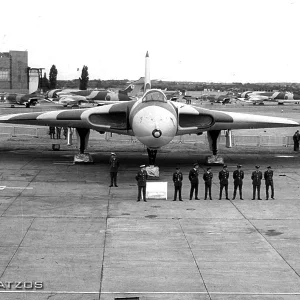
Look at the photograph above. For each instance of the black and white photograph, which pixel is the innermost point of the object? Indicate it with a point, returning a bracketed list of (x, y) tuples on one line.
[(149, 150)]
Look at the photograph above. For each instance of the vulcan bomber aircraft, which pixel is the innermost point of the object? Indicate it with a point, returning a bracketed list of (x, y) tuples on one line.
[(152, 119)]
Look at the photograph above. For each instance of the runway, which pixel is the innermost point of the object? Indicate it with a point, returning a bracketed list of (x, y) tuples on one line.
[(65, 229)]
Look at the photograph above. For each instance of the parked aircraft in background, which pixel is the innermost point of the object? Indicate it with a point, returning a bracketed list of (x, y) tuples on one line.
[(219, 98), (173, 95), (78, 97), (152, 119), (261, 97), (256, 97), (21, 99), (284, 97)]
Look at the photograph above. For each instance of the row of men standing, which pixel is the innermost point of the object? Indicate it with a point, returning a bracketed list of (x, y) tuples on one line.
[(238, 176), (57, 130)]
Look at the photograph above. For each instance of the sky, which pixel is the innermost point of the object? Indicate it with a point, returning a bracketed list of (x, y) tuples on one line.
[(187, 40)]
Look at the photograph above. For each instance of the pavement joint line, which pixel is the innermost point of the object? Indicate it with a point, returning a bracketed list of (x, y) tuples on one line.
[(207, 292), (22, 215), (15, 187), (265, 239), (291, 178), (104, 247), (27, 164), (18, 247), (9, 205), (20, 193)]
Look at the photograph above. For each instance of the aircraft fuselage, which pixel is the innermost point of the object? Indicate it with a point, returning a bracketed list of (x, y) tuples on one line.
[(153, 120)]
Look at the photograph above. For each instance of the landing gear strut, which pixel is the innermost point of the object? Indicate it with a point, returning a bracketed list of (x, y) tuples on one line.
[(213, 135), (152, 170), (151, 156), (214, 159), (82, 138)]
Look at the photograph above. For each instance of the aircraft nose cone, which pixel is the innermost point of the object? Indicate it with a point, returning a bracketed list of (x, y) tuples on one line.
[(154, 126), (156, 133)]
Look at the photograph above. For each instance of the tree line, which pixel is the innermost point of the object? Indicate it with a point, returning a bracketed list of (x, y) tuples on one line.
[(84, 83)]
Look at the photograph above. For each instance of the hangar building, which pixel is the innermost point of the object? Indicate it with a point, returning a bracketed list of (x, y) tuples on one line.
[(14, 72)]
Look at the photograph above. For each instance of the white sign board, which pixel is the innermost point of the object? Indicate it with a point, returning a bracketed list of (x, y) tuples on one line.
[(156, 190)]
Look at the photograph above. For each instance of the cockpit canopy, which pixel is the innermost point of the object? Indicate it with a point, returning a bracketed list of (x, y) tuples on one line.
[(154, 95)]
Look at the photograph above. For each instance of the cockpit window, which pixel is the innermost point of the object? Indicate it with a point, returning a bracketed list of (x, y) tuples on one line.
[(154, 96)]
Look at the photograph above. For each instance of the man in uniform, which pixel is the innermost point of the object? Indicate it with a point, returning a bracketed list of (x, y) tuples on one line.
[(58, 132), (296, 139), (193, 177), (238, 176), (256, 182), (114, 167), (223, 177), (141, 178), (177, 179), (207, 177), (268, 175)]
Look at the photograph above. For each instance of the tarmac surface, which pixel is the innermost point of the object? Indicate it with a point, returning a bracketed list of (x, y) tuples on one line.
[(64, 229)]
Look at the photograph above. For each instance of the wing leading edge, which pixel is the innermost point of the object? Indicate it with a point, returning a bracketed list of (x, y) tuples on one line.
[(111, 118), (194, 119), (115, 118)]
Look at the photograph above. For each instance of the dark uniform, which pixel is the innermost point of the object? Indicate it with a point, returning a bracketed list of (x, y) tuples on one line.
[(65, 131), (268, 175), (256, 182), (238, 176), (193, 177), (58, 132), (52, 132), (177, 179), (207, 177), (223, 177), (296, 139), (141, 178), (114, 167)]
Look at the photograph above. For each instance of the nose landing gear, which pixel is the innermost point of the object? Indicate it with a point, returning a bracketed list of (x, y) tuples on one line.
[(151, 156)]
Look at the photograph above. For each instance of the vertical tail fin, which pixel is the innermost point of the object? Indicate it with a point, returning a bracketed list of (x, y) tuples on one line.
[(147, 84), (127, 90), (143, 84)]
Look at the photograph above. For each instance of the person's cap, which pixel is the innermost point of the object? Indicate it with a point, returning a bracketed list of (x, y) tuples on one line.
[(257, 167), (225, 166), (113, 153), (142, 166), (239, 166), (208, 168), (196, 164), (269, 167)]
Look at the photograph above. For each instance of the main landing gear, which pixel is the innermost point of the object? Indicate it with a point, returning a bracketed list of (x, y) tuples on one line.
[(82, 138), (214, 159)]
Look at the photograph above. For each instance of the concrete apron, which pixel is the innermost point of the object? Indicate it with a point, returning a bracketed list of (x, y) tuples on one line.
[(63, 226)]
